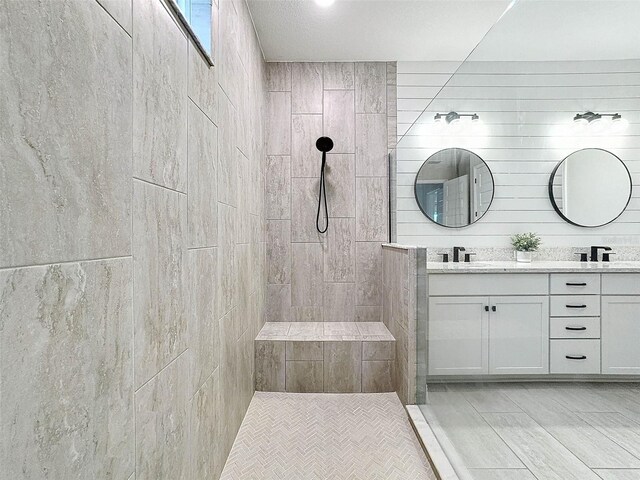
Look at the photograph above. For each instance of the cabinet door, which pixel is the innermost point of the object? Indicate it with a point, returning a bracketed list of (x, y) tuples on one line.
[(458, 335), (519, 335), (620, 327)]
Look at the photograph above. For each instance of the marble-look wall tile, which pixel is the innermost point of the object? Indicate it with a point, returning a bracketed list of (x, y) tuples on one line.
[(304, 351), (304, 376), (120, 10), (159, 254), (205, 423), (162, 424), (306, 314), (371, 87), (64, 195), (159, 96), (371, 145), (305, 157), (368, 313), (279, 77), (227, 152), (278, 303), (339, 119), (342, 367), (306, 275), (66, 372), (340, 178), (231, 69), (339, 250), (304, 195), (270, 365), (339, 302), (204, 337), (278, 188), (226, 258), (203, 83), (339, 76), (278, 251), (368, 273), (306, 87), (372, 209), (378, 351), (203, 193), (278, 123), (377, 376)]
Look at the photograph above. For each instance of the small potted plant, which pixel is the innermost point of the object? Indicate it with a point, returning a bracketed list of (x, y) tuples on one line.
[(525, 244)]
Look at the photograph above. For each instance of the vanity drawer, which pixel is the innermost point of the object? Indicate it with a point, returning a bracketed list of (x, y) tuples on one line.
[(475, 284), (621, 284), (575, 306), (574, 327), (575, 284), (574, 356)]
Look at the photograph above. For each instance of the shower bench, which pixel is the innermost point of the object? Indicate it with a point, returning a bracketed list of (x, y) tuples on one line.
[(330, 357)]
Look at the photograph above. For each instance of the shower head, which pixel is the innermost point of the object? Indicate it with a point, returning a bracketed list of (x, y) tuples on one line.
[(324, 144)]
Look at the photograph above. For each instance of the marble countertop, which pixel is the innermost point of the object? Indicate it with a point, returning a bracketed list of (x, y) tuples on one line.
[(533, 267)]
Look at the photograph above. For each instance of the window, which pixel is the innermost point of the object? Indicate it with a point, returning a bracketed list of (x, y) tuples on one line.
[(196, 17)]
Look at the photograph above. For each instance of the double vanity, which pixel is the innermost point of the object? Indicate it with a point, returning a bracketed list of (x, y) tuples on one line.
[(549, 318)]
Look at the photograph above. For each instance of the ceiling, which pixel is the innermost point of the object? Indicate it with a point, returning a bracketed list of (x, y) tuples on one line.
[(423, 30), (372, 30)]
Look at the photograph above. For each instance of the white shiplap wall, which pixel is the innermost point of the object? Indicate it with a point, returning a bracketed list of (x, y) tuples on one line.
[(527, 108)]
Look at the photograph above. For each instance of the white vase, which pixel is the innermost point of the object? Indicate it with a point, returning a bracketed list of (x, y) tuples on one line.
[(524, 257)]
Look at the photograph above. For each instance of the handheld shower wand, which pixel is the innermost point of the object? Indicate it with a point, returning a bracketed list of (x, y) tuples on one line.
[(324, 144)]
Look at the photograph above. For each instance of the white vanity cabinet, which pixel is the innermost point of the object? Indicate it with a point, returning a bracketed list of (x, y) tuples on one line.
[(621, 324), (481, 325), (558, 323)]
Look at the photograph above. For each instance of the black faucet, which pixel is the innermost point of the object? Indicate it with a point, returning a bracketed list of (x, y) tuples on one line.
[(456, 253), (594, 252)]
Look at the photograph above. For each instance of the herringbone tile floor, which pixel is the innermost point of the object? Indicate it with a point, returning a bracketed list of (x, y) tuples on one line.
[(305, 436)]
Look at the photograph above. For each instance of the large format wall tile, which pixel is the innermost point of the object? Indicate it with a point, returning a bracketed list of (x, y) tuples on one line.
[(278, 123), (203, 193), (66, 371), (306, 88), (306, 159), (278, 187), (372, 207), (339, 120), (120, 10), (226, 258), (306, 275), (162, 424), (340, 251), (159, 253), (342, 367), (227, 151), (340, 177), (371, 87), (279, 77), (338, 76), (368, 273), (204, 337), (304, 198), (371, 145), (278, 251), (203, 83), (339, 302), (278, 303), (65, 188), (205, 424), (159, 96)]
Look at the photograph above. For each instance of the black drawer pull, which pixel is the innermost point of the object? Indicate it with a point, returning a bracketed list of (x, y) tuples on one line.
[(576, 306), (576, 357), (575, 328), (486, 308), (570, 284), (494, 308)]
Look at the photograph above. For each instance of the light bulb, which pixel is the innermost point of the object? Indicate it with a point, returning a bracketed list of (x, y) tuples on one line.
[(325, 3), (597, 124), (580, 120), (619, 124)]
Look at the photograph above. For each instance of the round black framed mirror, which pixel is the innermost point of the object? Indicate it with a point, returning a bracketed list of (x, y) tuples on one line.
[(454, 188), (590, 187)]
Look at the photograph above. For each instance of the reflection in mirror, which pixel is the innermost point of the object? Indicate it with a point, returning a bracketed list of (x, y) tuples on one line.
[(590, 188), (454, 187)]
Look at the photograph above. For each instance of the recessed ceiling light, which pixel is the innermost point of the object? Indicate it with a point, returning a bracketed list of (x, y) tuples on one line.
[(325, 3)]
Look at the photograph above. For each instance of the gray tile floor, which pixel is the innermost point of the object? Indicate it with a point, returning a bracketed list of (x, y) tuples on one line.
[(520, 431), (303, 436)]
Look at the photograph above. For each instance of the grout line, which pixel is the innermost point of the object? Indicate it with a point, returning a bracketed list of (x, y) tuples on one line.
[(114, 18), (141, 180), (65, 262)]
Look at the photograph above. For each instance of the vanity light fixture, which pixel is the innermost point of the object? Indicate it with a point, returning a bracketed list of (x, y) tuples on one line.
[(455, 117), (598, 122)]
